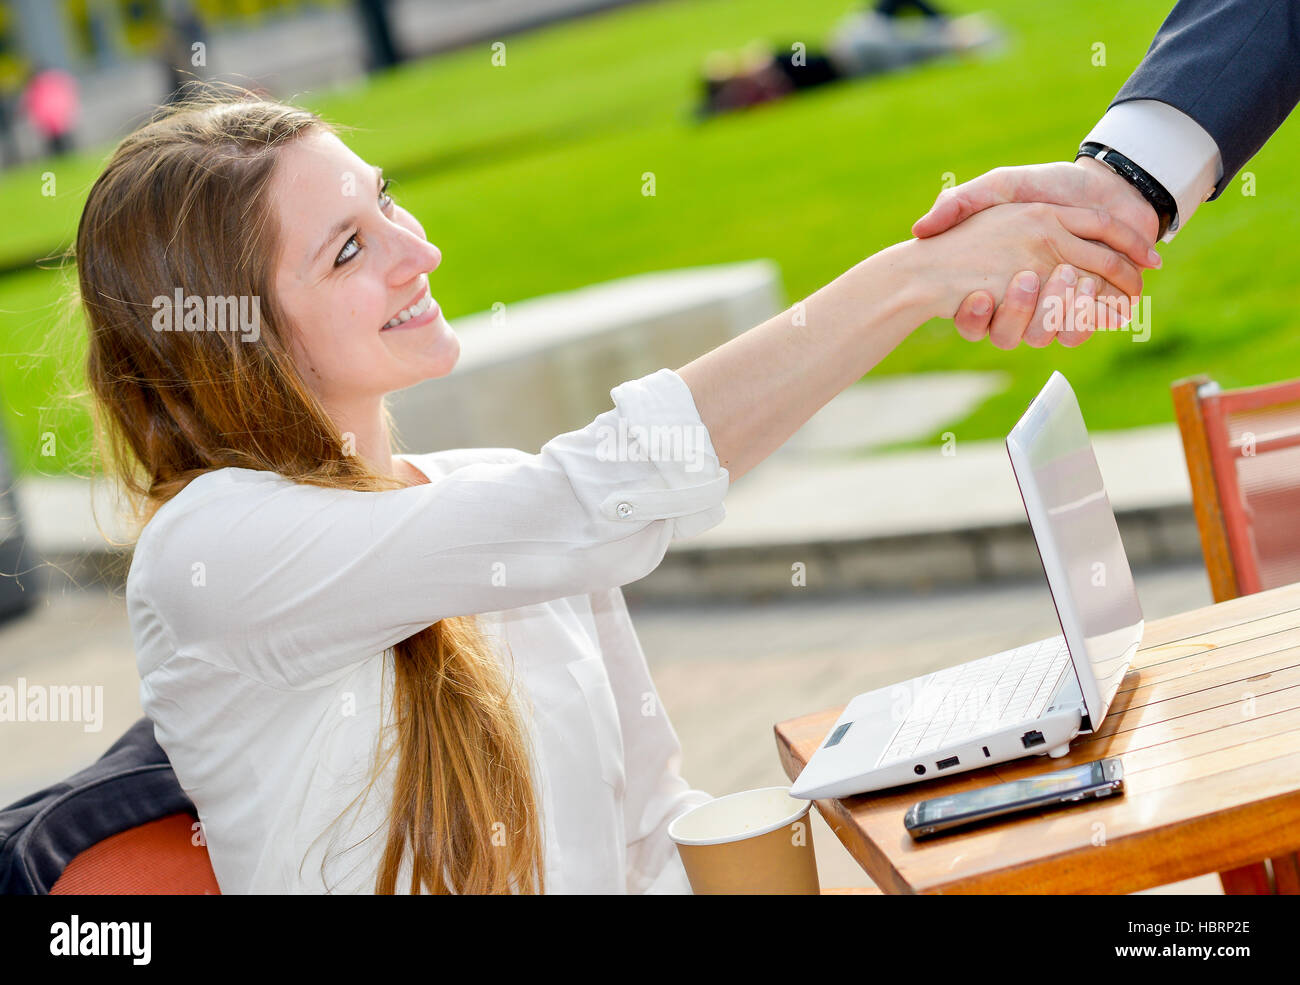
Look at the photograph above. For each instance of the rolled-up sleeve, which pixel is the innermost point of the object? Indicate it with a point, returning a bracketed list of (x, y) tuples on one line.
[(659, 423), (300, 581)]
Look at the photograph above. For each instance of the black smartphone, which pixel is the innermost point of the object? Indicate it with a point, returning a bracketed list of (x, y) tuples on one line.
[(1103, 778)]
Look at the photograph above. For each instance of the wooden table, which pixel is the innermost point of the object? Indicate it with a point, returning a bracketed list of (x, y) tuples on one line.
[(1207, 722)]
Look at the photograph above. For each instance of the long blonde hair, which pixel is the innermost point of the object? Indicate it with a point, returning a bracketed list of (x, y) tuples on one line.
[(183, 201)]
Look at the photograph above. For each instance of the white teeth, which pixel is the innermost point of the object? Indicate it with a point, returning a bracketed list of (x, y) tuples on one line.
[(406, 314)]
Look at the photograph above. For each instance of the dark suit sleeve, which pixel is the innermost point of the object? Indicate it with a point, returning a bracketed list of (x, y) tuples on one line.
[(1233, 66)]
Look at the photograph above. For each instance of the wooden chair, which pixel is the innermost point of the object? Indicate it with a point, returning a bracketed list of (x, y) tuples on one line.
[(1243, 458)]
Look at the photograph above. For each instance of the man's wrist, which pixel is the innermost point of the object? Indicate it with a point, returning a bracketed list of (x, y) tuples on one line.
[(1167, 144), (1144, 187)]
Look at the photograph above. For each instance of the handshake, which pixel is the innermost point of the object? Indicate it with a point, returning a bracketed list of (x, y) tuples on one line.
[(1069, 242)]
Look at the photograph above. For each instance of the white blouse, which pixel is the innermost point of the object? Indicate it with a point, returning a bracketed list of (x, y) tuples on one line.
[(264, 612)]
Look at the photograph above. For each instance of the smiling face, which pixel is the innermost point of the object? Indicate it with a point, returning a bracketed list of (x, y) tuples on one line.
[(352, 265)]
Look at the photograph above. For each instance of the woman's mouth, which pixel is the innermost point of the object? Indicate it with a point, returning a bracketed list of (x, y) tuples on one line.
[(420, 313)]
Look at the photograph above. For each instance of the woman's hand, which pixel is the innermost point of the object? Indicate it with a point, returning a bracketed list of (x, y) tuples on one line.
[(1059, 245)]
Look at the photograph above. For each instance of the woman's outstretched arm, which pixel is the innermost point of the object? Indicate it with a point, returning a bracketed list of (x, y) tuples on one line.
[(756, 390)]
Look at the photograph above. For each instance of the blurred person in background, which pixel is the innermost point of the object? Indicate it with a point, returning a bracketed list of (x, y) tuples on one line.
[(50, 104), (869, 41), (406, 673), (376, 23), (8, 146), (184, 31), (12, 75)]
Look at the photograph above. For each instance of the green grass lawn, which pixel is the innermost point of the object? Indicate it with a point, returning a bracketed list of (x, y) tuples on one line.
[(528, 177)]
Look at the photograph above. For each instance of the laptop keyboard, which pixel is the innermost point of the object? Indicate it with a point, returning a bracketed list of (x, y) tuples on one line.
[(980, 697)]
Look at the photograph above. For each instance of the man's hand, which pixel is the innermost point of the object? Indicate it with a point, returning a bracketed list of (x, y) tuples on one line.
[(1125, 221), (975, 318)]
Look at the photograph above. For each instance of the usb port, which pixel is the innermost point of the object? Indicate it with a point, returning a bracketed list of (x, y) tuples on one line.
[(1031, 739), (943, 764)]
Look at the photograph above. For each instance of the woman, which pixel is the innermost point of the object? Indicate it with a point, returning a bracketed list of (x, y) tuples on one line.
[(415, 673)]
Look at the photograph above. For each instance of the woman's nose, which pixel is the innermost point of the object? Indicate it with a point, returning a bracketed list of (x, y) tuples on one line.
[(415, 256)]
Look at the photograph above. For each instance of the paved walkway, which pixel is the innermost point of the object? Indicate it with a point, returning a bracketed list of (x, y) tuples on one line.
[(803, 495)]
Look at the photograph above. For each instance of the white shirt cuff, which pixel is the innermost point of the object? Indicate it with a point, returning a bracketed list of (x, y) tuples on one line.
[(1170, 146), (659, 422)]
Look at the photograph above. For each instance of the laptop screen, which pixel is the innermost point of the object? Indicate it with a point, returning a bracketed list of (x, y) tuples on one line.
[(1078, 541)]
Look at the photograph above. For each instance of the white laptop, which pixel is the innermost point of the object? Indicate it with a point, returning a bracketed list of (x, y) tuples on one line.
[(1029, 701)]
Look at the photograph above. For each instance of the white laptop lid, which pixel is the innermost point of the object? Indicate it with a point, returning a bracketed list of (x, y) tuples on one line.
[(1078, 542)]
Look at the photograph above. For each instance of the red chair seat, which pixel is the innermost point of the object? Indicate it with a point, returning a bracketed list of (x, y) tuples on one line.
[(159, 857)]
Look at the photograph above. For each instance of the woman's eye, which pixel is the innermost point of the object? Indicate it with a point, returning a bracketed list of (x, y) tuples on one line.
[(349, 250), (351, 247)]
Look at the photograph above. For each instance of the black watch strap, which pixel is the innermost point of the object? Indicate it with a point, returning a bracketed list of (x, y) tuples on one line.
[(1154, 192)]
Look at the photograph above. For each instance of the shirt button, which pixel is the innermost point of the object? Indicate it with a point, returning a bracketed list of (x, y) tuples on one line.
[(624, 510)]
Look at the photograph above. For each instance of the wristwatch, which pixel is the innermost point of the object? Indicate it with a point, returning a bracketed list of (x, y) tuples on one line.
[(1154, 192)]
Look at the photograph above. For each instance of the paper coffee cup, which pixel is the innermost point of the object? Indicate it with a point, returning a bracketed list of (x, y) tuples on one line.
[(757, 841)]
